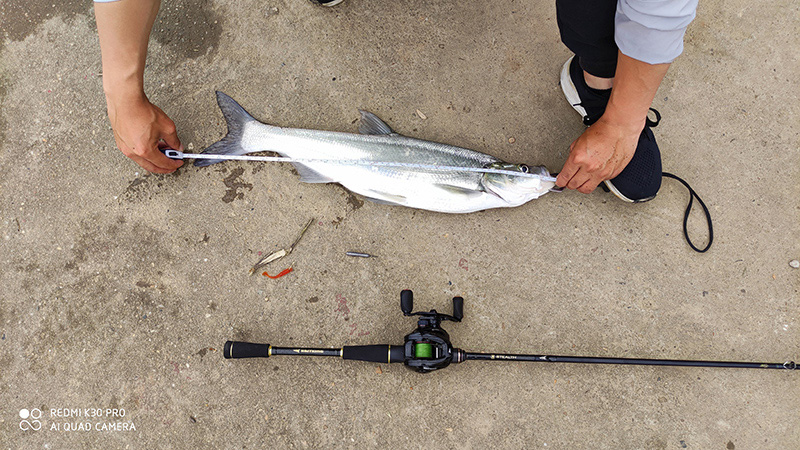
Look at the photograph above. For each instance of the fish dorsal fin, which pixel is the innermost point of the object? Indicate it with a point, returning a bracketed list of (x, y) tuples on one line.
[(371, 124)]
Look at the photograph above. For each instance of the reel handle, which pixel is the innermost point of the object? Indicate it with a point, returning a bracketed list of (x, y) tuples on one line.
[(238, 349)]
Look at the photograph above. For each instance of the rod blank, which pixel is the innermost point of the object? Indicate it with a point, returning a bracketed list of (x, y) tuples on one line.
[(789, 365)]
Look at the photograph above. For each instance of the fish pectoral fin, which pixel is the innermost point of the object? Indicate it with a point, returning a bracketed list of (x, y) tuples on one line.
[(460, 190), (379, 201), (371, 124), (384, 198), (309, 175)]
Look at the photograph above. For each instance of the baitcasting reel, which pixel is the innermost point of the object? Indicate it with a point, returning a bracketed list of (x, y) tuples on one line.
[(428, 348)]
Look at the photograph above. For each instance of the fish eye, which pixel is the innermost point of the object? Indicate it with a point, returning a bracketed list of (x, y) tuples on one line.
[(523, 168)]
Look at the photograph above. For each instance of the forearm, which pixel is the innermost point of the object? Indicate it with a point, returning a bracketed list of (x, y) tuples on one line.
[(635, 86), (124, 29), (140, 128)]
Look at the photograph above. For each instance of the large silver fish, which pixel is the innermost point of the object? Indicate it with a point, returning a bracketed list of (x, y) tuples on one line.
[(434, 190)]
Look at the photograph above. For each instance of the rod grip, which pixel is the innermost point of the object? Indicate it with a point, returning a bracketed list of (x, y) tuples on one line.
[(237, 349), (374, 353)]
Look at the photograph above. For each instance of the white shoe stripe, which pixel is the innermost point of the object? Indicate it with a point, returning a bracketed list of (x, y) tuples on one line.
[(570, 92)]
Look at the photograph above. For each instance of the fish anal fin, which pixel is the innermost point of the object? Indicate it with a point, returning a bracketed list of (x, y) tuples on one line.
[(378, 201), (309, 175), (384, 198)]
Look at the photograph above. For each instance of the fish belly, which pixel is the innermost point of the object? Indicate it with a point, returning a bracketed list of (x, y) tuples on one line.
[(420, 194)]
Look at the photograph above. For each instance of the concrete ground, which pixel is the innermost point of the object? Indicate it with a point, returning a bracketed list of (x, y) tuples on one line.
[(119, 287)]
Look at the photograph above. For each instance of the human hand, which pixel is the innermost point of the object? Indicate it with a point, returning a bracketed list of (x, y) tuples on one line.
[(599, 154), (141, 129)]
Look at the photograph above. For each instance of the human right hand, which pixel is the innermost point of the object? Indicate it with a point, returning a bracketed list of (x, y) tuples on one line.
[(606, 147), (599, 154), (141, 129)]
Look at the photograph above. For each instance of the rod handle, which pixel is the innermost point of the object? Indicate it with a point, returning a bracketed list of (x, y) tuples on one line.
[(374, 353), (237, 349)]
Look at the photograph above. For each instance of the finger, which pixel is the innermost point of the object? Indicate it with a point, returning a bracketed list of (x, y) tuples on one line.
[(171, 139), (143, 163), (564, 176), (155, 157), (148, 166), (151, 158), (589, 186), (567, 172), (577, 181)]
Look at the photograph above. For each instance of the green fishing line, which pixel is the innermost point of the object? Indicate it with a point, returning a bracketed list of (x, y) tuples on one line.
[(423, 350)]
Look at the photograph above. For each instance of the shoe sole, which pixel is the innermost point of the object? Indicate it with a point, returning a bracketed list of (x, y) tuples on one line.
[(570, 92), (619, 195)]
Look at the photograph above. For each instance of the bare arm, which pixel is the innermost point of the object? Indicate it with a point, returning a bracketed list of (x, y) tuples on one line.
[(606, 147), (139, 126)]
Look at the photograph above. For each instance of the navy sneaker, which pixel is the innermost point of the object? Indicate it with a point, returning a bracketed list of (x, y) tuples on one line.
[(590, 103), (641, 178), (326, 2)]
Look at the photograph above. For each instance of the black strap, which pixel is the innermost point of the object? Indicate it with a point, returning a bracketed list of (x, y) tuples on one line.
[(692, 196), (652, 123), (589, 121)]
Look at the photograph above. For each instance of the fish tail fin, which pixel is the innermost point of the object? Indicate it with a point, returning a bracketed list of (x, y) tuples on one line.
[(231, 144)]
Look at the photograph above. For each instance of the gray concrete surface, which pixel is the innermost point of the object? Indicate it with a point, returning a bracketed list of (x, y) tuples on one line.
[(119, 287)]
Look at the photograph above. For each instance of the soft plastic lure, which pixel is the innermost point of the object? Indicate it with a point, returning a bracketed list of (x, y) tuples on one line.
[(283, 272)]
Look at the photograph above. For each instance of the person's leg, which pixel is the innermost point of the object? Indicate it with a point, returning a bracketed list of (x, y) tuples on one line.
[(587, 28)]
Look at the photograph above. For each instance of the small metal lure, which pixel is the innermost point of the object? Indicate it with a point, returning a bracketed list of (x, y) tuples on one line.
[(360, 255)]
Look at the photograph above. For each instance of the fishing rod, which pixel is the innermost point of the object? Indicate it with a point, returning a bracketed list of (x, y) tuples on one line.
[(174, 154), (428, 348)]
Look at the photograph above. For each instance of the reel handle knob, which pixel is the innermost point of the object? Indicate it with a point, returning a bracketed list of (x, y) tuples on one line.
[(458, 308), (406, 301)]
